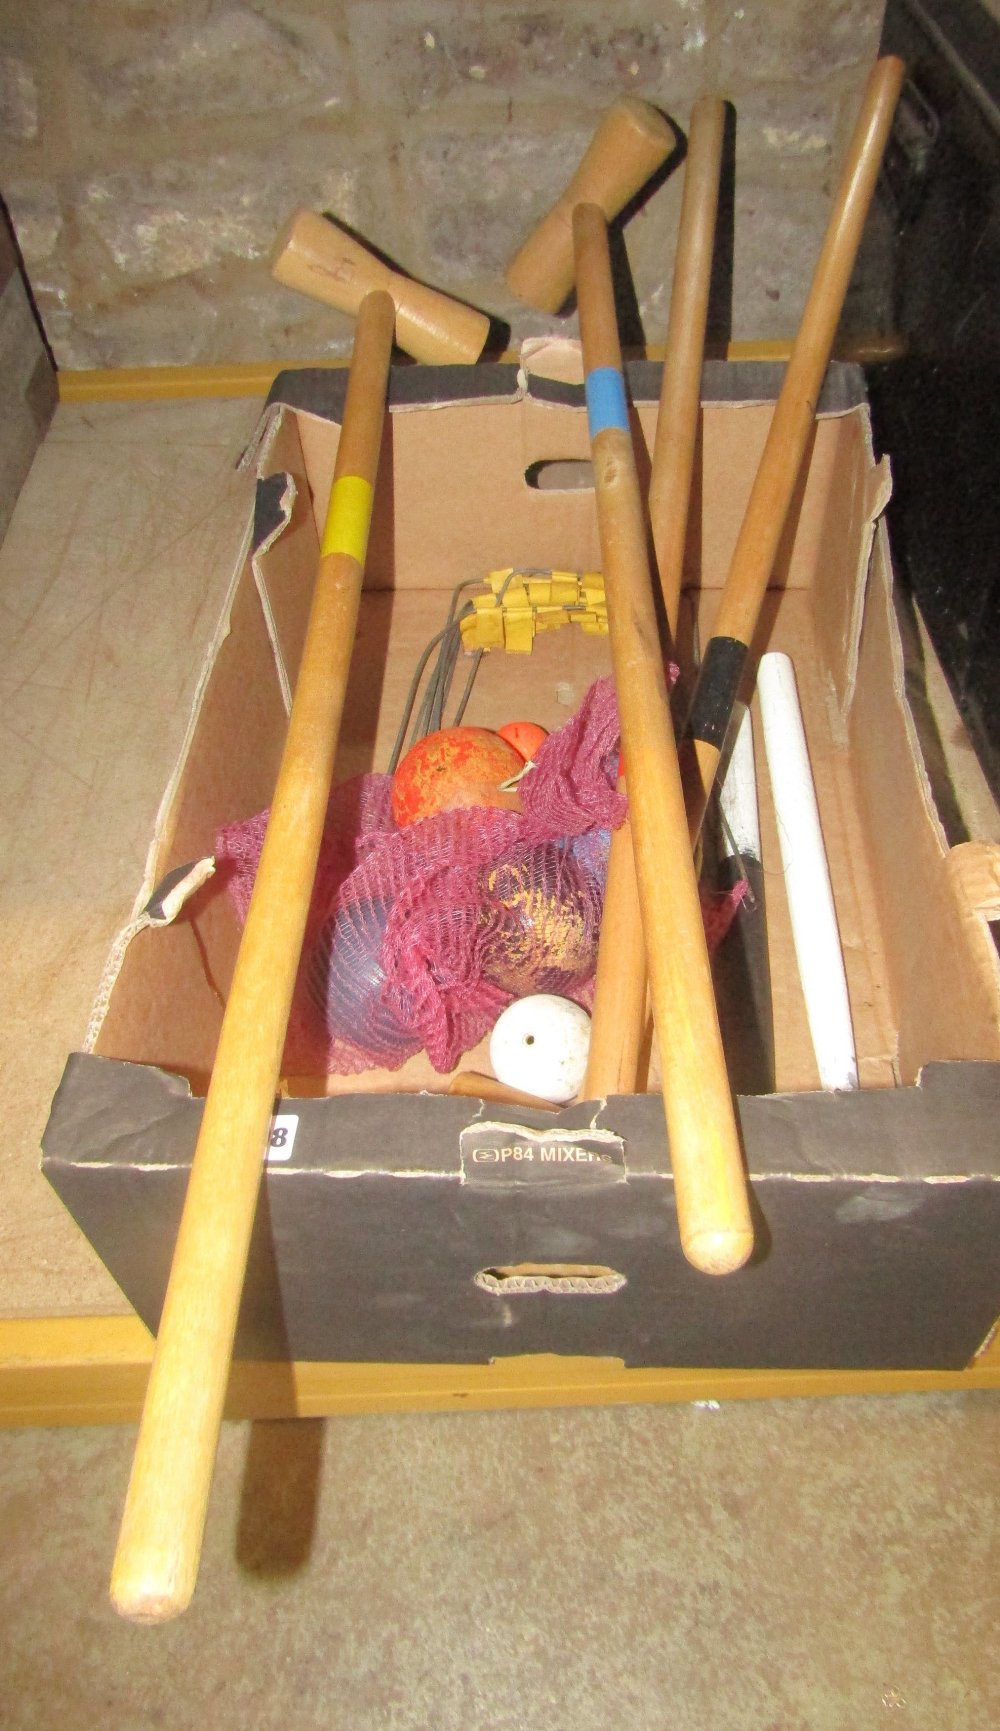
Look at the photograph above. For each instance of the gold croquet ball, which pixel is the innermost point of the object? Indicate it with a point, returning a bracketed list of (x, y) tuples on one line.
[(456, 766), (545, 932)]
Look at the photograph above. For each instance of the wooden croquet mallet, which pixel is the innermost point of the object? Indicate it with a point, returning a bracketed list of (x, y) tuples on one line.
[(710, 1187), (473, 1085), (631, 142), (319, 258), (619, 1013), (774, 484), (160, 1542)]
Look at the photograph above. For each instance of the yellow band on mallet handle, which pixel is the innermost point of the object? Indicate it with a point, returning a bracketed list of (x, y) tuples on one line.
[(159, 1547), (318, 258)]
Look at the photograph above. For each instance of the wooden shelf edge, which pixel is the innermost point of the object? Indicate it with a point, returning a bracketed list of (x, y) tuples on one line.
[(164, 384), (255, 378), (92, 1370)]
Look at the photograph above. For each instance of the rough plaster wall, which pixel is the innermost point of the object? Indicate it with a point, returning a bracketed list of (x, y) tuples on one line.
[(150, 149)]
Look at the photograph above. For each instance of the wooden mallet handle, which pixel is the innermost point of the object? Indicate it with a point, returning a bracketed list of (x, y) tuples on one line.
[(631, 142), (473, 1085), (317, 257), (710, 1186), (160, 1542), (619, 1013), (775, 481), (618, 1017), (676, 437)]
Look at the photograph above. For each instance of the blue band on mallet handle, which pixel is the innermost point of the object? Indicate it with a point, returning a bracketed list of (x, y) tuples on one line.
[(606, 405)]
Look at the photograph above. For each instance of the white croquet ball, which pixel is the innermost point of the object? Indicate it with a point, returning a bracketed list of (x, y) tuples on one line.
[(540, 1045)]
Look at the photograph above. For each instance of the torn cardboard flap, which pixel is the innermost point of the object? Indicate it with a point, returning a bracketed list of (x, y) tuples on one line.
[(551, 357), (174, 892), (286, 543)]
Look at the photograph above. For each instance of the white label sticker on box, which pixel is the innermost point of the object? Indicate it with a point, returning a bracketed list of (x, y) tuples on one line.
[(283, 1128)]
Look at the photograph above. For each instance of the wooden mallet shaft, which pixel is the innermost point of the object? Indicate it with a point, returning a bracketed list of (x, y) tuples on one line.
[(676, 437), (318, 258), (710, 1186), (473, 1085), (620, 984), (160, 1542), (774, 484), (618, 1016), (631, 142)]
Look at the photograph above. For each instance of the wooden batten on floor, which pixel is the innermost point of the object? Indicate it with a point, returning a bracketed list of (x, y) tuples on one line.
[(255, 378), (93, 1370)]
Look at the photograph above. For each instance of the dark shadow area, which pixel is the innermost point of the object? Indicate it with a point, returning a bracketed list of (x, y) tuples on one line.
[(356, 746), (645, 1057), (10, 238), (783, 556), (630, 325), (687, 654), (643, 469), (719, 323), (935, 411), (762, 1239), (931, 744), (763, 632), (669, 166), (741, 972), (692, 543), (279, 1497), (280, 1491), (261, 1333), (366, 677), (685, 649), (629, 319), (498, 339)]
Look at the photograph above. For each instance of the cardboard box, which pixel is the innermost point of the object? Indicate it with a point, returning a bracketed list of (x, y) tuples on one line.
[(392, 1228)]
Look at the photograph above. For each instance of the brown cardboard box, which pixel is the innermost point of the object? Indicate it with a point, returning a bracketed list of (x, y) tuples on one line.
[(384, 1235)]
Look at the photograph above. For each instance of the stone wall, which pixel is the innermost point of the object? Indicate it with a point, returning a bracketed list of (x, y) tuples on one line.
[(150, 150)]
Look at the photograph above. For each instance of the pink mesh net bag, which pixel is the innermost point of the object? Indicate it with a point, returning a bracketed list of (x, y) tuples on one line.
[(417, 938)]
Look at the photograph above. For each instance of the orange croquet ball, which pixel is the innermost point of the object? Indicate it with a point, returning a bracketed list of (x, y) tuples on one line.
[(524, 736), (454, 767)]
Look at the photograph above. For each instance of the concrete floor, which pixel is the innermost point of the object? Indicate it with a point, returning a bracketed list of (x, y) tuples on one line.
[(827, 1565)]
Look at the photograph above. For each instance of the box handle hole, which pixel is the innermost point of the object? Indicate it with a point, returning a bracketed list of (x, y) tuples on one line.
[(561, 475), (582, 1278)]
